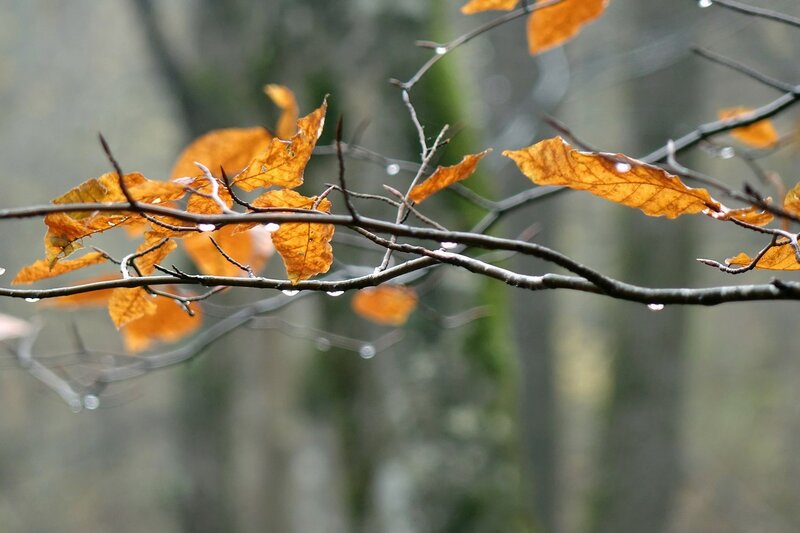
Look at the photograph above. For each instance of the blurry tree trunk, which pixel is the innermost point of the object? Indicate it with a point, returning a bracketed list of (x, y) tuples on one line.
[(640, 461)]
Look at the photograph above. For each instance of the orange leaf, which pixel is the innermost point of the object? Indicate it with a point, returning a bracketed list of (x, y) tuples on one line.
[(389, 305), (304, 247), (125, 304), (204, 204), (552, 26), (781, 257), (84, 299), (41, 269), (750, 215), (759, 134), (284, 162), (168, 322), (446, 176), (230, 148), (791, 202), (285, 100), (614, 177), (476, 6), (250, 248)]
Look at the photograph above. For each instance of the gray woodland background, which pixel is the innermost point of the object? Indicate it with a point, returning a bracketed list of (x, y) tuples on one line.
[(558, 413)]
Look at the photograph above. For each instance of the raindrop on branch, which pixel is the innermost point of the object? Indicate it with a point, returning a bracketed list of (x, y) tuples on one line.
[(704, 3), (272, 227), (622, 167), (91, 402), (440, 50), (367, 351), (655, 307), (335, 293), (393, 169), (32, 300), (448, 245), (727, 152), (289, 292), (206, 227)]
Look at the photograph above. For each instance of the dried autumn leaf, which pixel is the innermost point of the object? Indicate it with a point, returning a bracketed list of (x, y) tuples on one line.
[(250, 248), (229, 148), (614, 177), (759, 134), (82, 300), (781, 257), (554, 25), (791, 202), (446, 176), (284, 162), (201, 203), (750, 215), (169, 322), (126, 305), (285, 100), (476, 6), (389, 305), (304, 247), (41, 269)]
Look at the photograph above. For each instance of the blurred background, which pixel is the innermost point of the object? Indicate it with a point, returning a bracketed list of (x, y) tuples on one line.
[(557, 412)]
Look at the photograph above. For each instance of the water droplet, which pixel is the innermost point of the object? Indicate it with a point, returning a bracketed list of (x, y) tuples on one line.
[(157, 200), (727, 152), (272, 226), (655, 307), (32, 300), (206, 227), (91, 402), (448, 245), (393, 169), (323, 344), (623, 167), (2, 271), (367, 351), (704, 3), (288, 292), (440, 50), (75, 405), (335, 293)]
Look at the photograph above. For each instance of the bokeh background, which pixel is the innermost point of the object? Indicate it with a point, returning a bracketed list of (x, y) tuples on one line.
[(557, 412)]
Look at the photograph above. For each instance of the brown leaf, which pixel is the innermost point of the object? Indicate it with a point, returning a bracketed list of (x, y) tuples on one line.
[(203, 204), (759, 134), (169, 322), (446, 176), (250, 248), (389, 305), (283, 97), (42, 269), (476, 6), (614, 177), (230, 148), (553, 26), (304, 247), (781, 257), (284, 162)]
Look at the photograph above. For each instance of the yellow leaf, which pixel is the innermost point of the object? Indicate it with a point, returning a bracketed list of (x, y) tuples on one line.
[(203, 204), (389, 305), (759, 134), (284, 162), (614, 177), (230, 148), (304, 247), (750, 215), (283, 97), (250, 248), (41, 269), (446, 176), (476, 6), (168, 322), (553, 26), (781, 257)]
